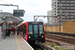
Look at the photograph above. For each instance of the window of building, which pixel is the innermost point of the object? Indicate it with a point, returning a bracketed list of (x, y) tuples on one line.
[(60, 1), (69, 13), (66, 16), (73, 17), (66, 1), (73, 4), (73, 13), (69, 1), (73, 7), (69, 16), (66, 4), (69, 7), (65, 7)]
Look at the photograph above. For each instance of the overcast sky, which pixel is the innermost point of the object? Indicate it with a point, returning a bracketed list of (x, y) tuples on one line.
[(31, 7)]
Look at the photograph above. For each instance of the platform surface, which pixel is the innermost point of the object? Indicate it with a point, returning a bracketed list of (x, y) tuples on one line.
[(13, 42)]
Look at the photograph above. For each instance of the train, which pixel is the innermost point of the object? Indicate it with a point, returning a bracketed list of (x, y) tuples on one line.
[(32, 31)]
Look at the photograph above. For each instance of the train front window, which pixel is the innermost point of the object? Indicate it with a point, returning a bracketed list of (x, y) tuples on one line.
[(30, 29), (35, 29), (41, 29)]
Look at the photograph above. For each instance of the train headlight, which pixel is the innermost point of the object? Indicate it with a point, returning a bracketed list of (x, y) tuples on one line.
[(29, 36), (42, 36)]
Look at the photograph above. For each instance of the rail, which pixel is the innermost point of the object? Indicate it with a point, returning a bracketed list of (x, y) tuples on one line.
[(61, 38), (45, 47), (60, 33)]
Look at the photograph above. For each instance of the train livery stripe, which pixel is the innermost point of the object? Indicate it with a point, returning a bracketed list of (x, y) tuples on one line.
[(44, 32), (19, 47)]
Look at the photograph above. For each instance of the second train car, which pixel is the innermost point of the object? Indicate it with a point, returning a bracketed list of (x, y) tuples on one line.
[(32, 31)]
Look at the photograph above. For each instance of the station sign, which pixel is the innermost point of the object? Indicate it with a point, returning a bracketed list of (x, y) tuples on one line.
[(18, 13), (9, 22)]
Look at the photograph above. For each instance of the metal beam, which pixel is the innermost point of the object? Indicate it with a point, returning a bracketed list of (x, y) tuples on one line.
[(42, 16), (68, 18), (10, 5)]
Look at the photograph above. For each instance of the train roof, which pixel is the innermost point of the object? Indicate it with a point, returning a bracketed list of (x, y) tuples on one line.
[(34, 21), (28, 22)]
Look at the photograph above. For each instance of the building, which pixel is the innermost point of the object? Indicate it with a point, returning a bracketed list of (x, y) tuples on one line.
[(51, 19), (65, 9)]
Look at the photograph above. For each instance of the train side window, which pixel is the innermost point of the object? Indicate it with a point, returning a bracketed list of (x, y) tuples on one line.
[(20, 28), (30, 29), (24, 30), (41, 29)]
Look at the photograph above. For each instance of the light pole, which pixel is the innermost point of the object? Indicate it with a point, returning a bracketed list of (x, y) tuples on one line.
[(60, 17), (4, 27)]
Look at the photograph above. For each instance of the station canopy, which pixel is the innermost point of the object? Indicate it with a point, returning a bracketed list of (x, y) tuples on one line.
[(9, 18)]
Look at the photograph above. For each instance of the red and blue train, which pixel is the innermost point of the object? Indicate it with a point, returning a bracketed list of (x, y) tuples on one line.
[(32, 31)]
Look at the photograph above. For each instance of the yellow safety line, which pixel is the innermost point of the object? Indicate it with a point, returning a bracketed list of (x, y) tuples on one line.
[(19, 47), (23, 43)]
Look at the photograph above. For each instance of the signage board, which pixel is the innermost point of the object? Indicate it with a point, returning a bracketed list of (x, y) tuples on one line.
[(9, 22), (18, 13)]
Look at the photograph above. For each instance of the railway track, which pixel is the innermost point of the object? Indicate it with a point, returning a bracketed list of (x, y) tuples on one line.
[(61, 38), (44, 47), (40, 46), (36, 47), (60, 33)]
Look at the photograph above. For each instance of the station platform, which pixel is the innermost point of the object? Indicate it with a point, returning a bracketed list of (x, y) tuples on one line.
[(14, 42)]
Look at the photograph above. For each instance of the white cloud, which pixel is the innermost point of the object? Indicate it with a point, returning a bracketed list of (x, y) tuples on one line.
[(32, 7)]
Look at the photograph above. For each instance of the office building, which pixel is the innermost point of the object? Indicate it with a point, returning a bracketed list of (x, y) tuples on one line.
[(51, 19), (65, 9)]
